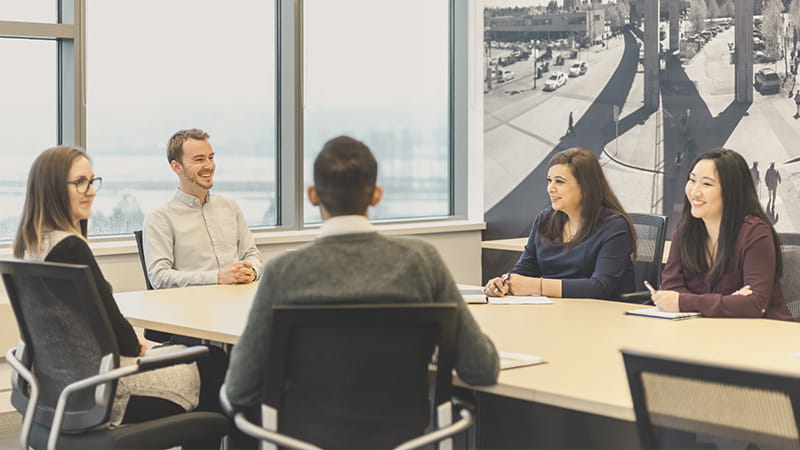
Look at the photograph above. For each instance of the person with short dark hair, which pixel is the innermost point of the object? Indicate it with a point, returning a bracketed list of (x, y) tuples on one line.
[(350, 262), (197, 238), (725, 257), (581, 245)]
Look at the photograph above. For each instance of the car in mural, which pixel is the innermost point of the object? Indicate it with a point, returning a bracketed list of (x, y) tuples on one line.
[(766, 81), (504, 75), (555, 81), (577, 69)]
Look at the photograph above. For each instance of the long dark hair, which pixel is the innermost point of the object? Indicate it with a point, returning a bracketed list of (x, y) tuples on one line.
[(47, 204), (739, 201), (596, 194)]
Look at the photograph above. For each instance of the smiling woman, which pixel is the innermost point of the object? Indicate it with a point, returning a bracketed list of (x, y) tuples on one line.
[(725, 257), (581, 245), (58, 202)]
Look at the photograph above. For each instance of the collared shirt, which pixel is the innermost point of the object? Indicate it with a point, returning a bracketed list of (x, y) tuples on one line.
[(335, 226), (186, 243)]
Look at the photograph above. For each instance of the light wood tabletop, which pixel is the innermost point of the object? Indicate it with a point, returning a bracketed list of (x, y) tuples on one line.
[(214, 312), (579, 339)]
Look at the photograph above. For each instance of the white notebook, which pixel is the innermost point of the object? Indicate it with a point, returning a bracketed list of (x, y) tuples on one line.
[(656, 312), (510, 360)]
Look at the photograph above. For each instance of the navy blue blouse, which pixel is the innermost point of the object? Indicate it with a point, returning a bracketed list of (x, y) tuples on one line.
[(599, 267)]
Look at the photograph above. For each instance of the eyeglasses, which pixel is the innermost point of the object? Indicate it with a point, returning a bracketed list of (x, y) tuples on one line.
[(82, 184)]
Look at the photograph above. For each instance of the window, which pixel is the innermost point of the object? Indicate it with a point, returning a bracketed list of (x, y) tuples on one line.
[(392, 74), (206, 64), (384, 81), (28, 118), (43, 11)]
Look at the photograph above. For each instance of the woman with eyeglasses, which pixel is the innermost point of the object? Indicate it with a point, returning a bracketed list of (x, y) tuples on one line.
[(58, 202)]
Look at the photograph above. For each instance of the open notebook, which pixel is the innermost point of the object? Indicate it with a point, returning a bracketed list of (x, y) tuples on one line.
[(474, 294)]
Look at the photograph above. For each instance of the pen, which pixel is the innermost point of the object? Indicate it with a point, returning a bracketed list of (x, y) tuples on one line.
[(649, 287), (503, 280)]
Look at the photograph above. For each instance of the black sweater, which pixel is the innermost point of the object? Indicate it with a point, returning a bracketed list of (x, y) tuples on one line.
[(74, 250)]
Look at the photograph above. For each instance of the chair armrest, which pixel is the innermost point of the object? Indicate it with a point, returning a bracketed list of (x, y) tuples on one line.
[(143, 364), (182, 356), (33, 398), (261, 433), (255, 431), (225, 402), (440, 434), (641, 297)]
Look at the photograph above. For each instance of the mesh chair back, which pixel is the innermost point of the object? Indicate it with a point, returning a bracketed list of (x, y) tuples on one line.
[(140, 247), (651, 232), (675, 398), (790, 281), (357, 376), (152, 335), (66, 333)]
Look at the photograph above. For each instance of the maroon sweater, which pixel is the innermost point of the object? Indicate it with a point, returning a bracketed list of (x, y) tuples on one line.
[(753, 264)]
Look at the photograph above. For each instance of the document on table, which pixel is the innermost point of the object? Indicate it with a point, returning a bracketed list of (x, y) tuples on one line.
[(520, 300), (472, 294), (510, 360), (658, 313)]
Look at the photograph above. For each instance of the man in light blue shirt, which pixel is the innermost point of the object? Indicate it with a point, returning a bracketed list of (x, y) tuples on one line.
[(197, 238)]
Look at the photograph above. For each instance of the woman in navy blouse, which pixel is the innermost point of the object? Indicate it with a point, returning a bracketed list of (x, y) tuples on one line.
[(581, 245)]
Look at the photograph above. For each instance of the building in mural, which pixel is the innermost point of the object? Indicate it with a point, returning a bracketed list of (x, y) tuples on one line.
[(586, 22)]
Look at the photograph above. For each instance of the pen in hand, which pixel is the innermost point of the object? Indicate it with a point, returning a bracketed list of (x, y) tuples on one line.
[(493, 288), (652, 292)]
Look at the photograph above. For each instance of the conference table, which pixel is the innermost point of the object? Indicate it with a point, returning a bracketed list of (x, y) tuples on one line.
[(578, 398)]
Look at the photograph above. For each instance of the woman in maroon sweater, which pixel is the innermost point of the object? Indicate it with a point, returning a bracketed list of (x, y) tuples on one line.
[(725, 258)]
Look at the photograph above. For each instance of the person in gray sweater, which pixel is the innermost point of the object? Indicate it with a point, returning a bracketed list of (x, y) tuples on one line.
[(350, 262)]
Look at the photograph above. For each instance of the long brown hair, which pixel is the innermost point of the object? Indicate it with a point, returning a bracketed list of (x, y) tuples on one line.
[(47, 204), (596, 194), (739, 201)]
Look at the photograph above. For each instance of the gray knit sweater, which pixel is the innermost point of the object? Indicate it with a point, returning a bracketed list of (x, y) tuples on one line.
[(363, 267)]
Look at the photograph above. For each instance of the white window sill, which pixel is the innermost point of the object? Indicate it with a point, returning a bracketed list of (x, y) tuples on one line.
[(127, 246)]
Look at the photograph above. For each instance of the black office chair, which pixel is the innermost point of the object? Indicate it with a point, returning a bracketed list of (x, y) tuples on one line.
[(140, 247), (685, 404), (66, 367), (152, 335), (790, 281), (651, 234), (357, 376)]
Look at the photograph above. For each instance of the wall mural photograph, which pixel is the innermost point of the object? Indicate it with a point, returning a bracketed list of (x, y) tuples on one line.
[(644, 93)]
